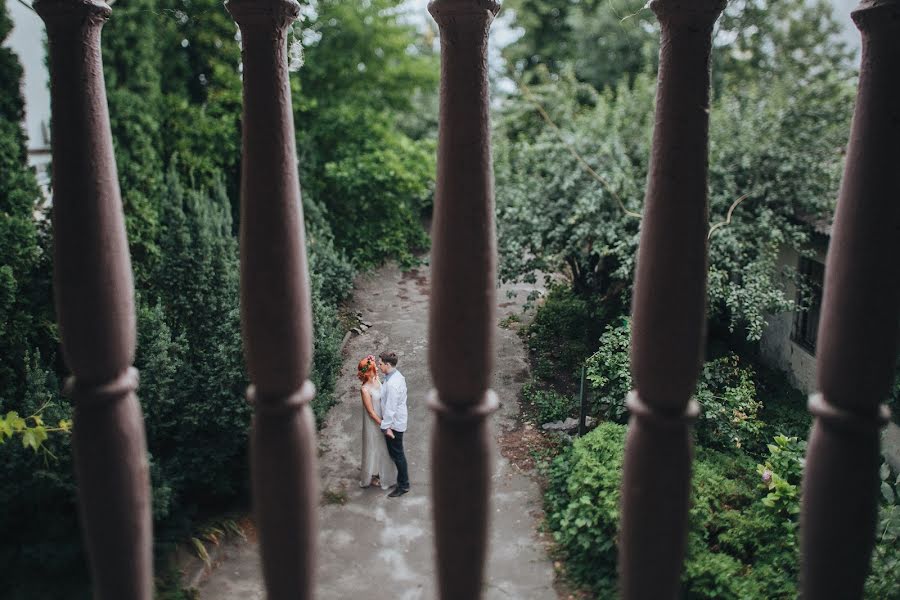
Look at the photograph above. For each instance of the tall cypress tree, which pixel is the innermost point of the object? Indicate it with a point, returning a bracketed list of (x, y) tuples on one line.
[(25, 307), (39, 541), (131, 70)]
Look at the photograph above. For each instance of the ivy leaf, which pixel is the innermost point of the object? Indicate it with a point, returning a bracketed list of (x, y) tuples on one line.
[(29, 439), (887, 492), (5, 430)]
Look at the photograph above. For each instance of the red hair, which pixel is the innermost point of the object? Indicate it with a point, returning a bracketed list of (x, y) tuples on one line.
[(366, 368)]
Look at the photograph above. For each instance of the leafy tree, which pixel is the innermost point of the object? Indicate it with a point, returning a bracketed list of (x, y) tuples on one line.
[(198, 42), (608, 41), (775, 143), (603, 41), (363, 69), (131, 71), (553, 216), (197, 286), (25, 317)]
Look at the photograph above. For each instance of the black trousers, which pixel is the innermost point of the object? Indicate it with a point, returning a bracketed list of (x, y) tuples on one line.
[(395, 449)]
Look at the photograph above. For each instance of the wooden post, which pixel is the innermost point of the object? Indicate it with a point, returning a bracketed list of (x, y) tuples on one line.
[(95, 306), (669, 308), (276, 312), (858, 332), (462, 304)]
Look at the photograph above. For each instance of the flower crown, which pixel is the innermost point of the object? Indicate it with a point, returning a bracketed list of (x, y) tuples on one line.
[(370, 362)]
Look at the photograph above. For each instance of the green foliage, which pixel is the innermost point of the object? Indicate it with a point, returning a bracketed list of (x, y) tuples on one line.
[(38, 533), (562, 334), (726, 391), (781, 476), (884, 573), (25, 307), (582, 505), (375, 192), (609, 372), (199, 50), (552, 216), (606, 42), (202, 437), (31, 429), (805, 129), (364, 67), (729, 418), (775, 140), (735, 548), (548, 404), (784, 406)]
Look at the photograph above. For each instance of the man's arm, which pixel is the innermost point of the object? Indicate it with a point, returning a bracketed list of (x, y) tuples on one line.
[(400, 394), (390, 407)]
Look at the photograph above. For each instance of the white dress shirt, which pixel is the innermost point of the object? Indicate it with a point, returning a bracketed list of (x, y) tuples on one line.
[(393, 402)]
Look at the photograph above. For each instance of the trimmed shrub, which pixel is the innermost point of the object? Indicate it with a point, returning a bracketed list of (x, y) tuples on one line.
[(548, 404), (562, 335), (738, 546)]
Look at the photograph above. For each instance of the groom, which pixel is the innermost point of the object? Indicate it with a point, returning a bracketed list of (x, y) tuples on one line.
[(393, 418)]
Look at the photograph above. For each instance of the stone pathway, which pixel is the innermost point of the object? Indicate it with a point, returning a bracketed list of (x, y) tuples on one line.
[(375, 547)]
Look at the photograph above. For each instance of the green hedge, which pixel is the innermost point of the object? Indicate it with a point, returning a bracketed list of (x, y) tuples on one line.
[(742, 543)]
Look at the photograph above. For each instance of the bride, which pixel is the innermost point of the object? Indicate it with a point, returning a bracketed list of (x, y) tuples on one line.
[(377, 467)]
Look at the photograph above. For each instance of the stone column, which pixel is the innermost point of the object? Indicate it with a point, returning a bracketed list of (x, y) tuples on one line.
[(95, 307), (858, 332), (462, 311), (669, 308), (276, 312)]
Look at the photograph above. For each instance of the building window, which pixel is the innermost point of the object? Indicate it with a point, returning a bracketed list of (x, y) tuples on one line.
[(806, 322)]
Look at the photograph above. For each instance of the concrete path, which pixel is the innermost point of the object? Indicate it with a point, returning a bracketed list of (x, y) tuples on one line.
[(375, 547)]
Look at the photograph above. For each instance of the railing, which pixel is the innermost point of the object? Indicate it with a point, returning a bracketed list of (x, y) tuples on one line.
[(95, 308), (858, 331), (94, 298)]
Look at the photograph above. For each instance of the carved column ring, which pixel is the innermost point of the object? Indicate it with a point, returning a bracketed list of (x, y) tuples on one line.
[(279, 13), (648, 414), (97, 394), (832, 416), (465, 413), (277, 404), (72, 11), (688, 12)]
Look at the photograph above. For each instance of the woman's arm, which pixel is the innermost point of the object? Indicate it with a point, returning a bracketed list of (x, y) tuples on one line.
[(367, 404)]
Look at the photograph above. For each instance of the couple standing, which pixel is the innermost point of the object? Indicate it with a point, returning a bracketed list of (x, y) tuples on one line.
[(384, 422)]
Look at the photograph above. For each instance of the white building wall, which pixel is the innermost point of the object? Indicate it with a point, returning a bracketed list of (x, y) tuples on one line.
[(27, 41), (776, 346)]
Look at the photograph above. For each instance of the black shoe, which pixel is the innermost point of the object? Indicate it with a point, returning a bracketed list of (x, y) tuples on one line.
[(398, 491)]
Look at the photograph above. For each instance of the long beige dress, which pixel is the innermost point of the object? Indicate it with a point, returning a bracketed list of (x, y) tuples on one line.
[(375, 457)]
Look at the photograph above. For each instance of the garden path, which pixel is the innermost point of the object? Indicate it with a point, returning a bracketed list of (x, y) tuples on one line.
[(371, 546)]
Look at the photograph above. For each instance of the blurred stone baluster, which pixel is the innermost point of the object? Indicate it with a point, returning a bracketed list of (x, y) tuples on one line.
[(276, 312), (95, 307), (462, 311), (858, 332), (669, 308)]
